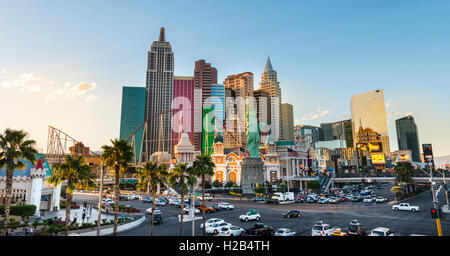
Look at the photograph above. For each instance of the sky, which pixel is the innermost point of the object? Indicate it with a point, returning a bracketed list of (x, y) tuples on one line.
[(63, 63)]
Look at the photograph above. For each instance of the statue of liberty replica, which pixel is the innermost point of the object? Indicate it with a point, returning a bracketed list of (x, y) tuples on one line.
[(252, 167)]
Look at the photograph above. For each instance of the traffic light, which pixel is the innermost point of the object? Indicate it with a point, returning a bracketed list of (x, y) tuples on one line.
[(434, 213), (360, 169)]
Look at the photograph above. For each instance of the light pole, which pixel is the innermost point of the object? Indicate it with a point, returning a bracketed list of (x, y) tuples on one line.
[(438, 220), (100, 199), (193, 211)]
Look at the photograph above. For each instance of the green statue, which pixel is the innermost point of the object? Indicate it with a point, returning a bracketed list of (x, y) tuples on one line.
[(252, 145)]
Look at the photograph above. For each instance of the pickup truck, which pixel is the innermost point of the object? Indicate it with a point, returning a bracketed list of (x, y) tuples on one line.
[(405, 207), (259, 229)]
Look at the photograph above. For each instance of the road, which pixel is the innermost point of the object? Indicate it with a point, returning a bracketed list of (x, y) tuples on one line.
[(371, 215)]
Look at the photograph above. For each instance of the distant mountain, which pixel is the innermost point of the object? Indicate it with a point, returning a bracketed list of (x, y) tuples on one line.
[(441, 160)]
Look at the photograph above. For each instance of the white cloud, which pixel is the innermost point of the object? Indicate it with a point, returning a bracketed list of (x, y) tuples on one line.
[(91, 98), (70, 91), (317, 115), (28, 81)]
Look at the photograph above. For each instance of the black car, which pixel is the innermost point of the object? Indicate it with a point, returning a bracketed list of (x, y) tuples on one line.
[(216, 208), (259, 229), (158, 218), (272, 201), (356, 229), (292, 214)]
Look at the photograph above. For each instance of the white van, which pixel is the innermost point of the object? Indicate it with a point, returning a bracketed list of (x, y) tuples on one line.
[(288, 196)]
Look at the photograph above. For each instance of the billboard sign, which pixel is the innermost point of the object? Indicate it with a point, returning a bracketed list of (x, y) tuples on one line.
[(428, 153), (378, 158)]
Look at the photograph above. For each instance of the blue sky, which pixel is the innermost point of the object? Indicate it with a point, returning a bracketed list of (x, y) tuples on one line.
[(62, 63)]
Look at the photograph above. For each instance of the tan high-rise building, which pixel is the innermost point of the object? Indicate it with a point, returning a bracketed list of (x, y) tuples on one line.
[(368, 112), (287, 123), (269, 83), (242, 85)]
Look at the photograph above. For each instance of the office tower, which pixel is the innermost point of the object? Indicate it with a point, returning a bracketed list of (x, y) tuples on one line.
[(287, 121), (159, 97), (341, 130), (368, 114), (132, 115), (408, 137), (307, 135), (269, 83), (216, 100), (183, 98), (204, 75), (242, 85)]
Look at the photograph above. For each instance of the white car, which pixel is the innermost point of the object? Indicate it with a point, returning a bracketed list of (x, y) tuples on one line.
[(160, 202), (149, 211), (368, 200), (211, 221), (227, 206), (216, 227), (284, 232), (405, 207), (251, 215), (381, 232), (107, 201), (332, 200), (186, 210), (173, 201), (380, 200), (321, 229), (231, 231), (207, 198)]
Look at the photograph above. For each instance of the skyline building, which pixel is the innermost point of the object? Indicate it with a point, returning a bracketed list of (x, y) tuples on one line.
[(204, 75), (269, 83), (287, 121), (308, 135), (183, 96), (242, 85), (216, 100), (368, 112), (408, 136), (132, 114), (159, 95), (340, 130)]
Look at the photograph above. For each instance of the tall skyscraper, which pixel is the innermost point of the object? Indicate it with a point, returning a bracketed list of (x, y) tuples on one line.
[(368, 112), (132, 114), (308, 135), (263, 113), (269, 83), (341, 130), (242, 85), (159, 96), (408, 137), (217, 101), (287, 121), (183, 97), (204, 75)]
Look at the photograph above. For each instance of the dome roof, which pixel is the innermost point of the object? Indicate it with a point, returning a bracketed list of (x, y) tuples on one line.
[(218, 138), (160, 157)]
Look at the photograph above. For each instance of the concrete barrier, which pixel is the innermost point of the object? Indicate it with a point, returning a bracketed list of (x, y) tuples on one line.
[(109, 230)]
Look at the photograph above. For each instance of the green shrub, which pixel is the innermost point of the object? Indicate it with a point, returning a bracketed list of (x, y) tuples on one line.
[(35, 224), (19, 210), (104, 221)]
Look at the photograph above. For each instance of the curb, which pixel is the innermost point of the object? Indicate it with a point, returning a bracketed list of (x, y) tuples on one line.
[(109, 230)]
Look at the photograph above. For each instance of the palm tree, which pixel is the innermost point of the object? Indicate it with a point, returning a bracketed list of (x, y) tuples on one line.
[(78, 174), (151, 175), (14, 146), (182, 176), (203, 166), (117, 157)]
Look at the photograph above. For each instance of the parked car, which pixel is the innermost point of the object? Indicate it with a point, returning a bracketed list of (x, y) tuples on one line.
[(381, 232), (149, 211), (260, 199), (332, 200), (311, 200), (338, 232), (108, 201), (321, 229), (356, 199), (322, 200), (259, 229), (211, 221), (300, 199), (284, 232), (231, 231), (291, 214), (272, 201), (250, 215), (405, 207), (207, 208), (187, 210), (380, 199), (368, 200), (160, 202), (355, 228), (216, 227), (207, 197), (216, 208), (227, 206)]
